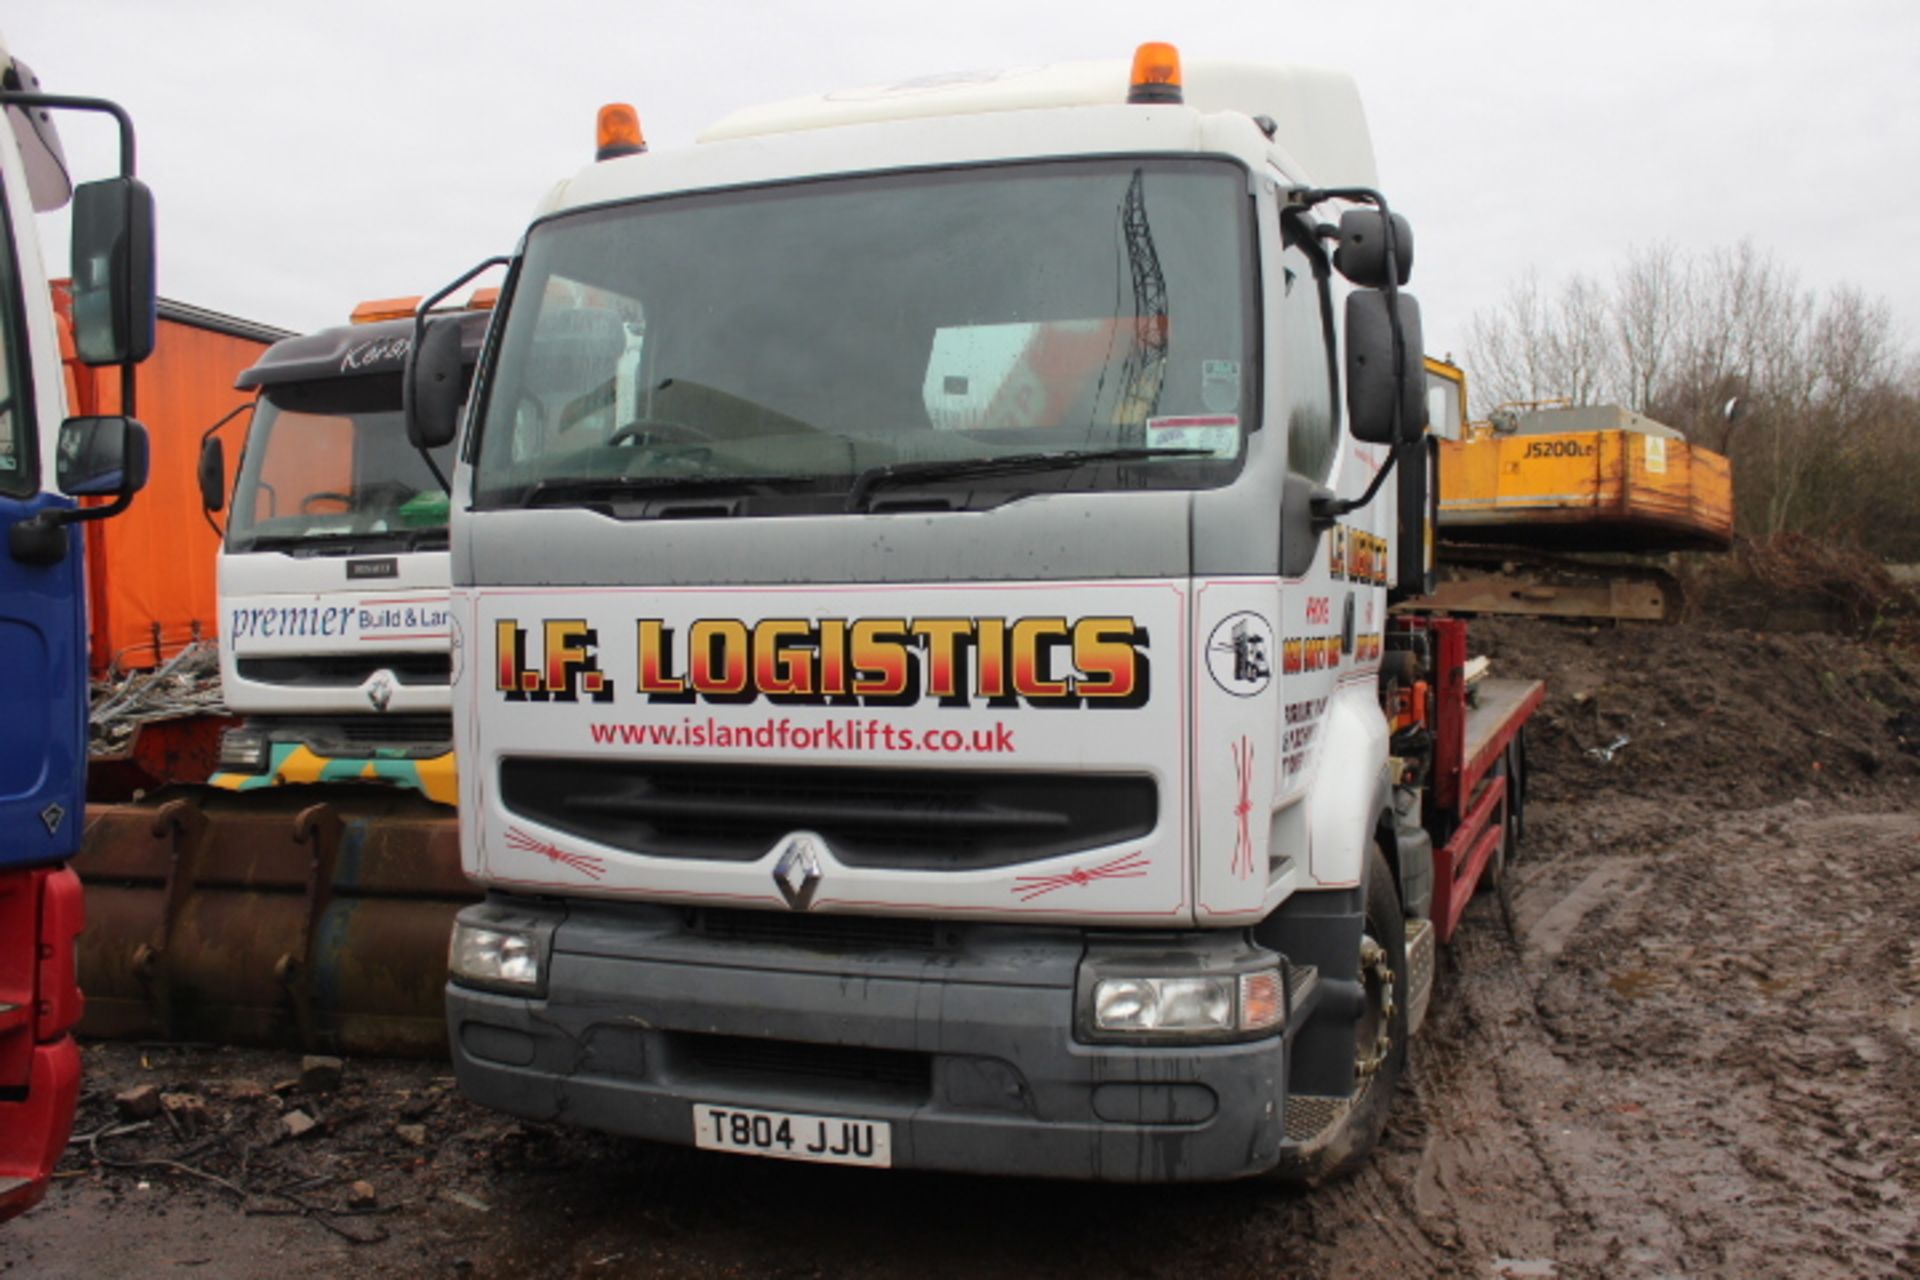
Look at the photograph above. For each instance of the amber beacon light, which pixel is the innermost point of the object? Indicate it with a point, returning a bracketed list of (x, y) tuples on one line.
[(1156, 74), (618, 132)]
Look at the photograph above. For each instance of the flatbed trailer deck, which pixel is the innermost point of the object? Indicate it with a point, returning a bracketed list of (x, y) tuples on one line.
[(1479, 759)]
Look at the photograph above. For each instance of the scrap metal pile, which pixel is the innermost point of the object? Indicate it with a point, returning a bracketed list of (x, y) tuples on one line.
[(188, 685)]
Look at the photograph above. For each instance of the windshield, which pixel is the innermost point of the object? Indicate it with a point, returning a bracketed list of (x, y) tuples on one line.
[(328, 466), (816, 336)]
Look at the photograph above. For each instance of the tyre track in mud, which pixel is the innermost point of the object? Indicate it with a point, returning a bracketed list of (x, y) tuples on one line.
[(1461, 1181), (1764, 978), (1693, 1054)]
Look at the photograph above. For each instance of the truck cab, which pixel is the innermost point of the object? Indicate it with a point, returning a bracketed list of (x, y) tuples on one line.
[(920, 614), (333, 568), (48, 464)]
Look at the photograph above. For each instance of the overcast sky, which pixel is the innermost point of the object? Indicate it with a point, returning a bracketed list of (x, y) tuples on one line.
[(308, 155)]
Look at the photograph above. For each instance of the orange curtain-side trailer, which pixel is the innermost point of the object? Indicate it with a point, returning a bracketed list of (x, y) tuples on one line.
[(151, 585)]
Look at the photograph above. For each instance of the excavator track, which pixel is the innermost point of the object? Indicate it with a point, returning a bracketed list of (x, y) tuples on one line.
[(1518, 581)]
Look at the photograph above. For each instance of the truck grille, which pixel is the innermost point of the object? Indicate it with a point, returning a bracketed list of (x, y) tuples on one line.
[(346, 670), (786, 1062), (912, 820), (835, 934), (417, 734)]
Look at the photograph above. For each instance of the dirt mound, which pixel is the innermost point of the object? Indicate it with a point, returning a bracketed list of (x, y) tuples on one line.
[(1794, 583), (1734, 718)]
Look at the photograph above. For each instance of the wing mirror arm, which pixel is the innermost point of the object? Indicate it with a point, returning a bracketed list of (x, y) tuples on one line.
[(1327, 508), (430, 385), (212, 471)]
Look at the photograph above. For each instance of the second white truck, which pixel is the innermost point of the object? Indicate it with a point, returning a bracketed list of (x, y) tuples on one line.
[(333, 571)]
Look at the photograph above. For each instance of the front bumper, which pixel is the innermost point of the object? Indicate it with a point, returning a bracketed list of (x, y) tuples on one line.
[(34, 1128), (41, 913), (961, 1039)]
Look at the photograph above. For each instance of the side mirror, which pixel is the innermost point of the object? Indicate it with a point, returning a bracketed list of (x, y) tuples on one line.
[(434, 384), (213, 473), (1386, 404), (1361, 255), (101, 456), (95, 457), (114, 302)]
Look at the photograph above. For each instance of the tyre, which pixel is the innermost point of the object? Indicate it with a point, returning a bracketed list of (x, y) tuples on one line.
[(1516, 791), (1503, 818), (1513, 808), (1379, 1035)]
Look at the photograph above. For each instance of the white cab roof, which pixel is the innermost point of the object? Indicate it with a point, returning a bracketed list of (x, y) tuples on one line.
[(1319, 121)]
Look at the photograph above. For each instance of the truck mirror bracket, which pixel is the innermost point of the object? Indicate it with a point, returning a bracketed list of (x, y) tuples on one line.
[(1326, 508), (430, 385), (211, 473)]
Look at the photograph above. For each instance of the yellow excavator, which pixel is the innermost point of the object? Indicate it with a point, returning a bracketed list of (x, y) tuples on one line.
[(1545, 508)]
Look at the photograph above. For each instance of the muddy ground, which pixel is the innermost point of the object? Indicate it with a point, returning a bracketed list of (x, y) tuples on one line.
[(1681, 1042)]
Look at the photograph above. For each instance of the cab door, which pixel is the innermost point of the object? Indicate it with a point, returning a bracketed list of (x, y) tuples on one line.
[(43, 661)]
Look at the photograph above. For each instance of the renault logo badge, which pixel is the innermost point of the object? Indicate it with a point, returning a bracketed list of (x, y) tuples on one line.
[(380, 690), (798, 872)]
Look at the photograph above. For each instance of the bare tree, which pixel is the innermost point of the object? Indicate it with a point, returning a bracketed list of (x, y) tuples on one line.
[(1580, 343), (1531, 348), (1506, 348), (1649, 296)]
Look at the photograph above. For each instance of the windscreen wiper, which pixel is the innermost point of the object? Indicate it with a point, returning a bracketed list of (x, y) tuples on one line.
[(1004, 464), (306, 545), (560, 490), (433, 539)]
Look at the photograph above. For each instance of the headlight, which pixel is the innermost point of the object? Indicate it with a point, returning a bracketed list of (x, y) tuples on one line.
[(490, 957), (1236, 1005), (243, 750), (1163, 1004)]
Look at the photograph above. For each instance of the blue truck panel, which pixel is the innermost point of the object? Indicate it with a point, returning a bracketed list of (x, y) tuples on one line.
[(43, 704)]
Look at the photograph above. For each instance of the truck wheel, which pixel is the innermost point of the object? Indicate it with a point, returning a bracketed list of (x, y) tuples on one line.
[(1379, 1035), (1516, 791), (1512, 810), (1503, 818)]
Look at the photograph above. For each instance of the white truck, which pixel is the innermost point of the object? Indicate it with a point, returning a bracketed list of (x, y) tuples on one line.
[(923, 679), (333, 568)]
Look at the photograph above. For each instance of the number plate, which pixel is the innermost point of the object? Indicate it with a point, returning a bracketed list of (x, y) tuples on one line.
[(786, 1136)]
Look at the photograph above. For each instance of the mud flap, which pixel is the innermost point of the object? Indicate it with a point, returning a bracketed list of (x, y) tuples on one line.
[(1420, 970), (1314, 1120)]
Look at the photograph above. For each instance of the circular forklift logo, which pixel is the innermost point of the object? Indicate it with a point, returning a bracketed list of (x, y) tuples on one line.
[(1240, 654)]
